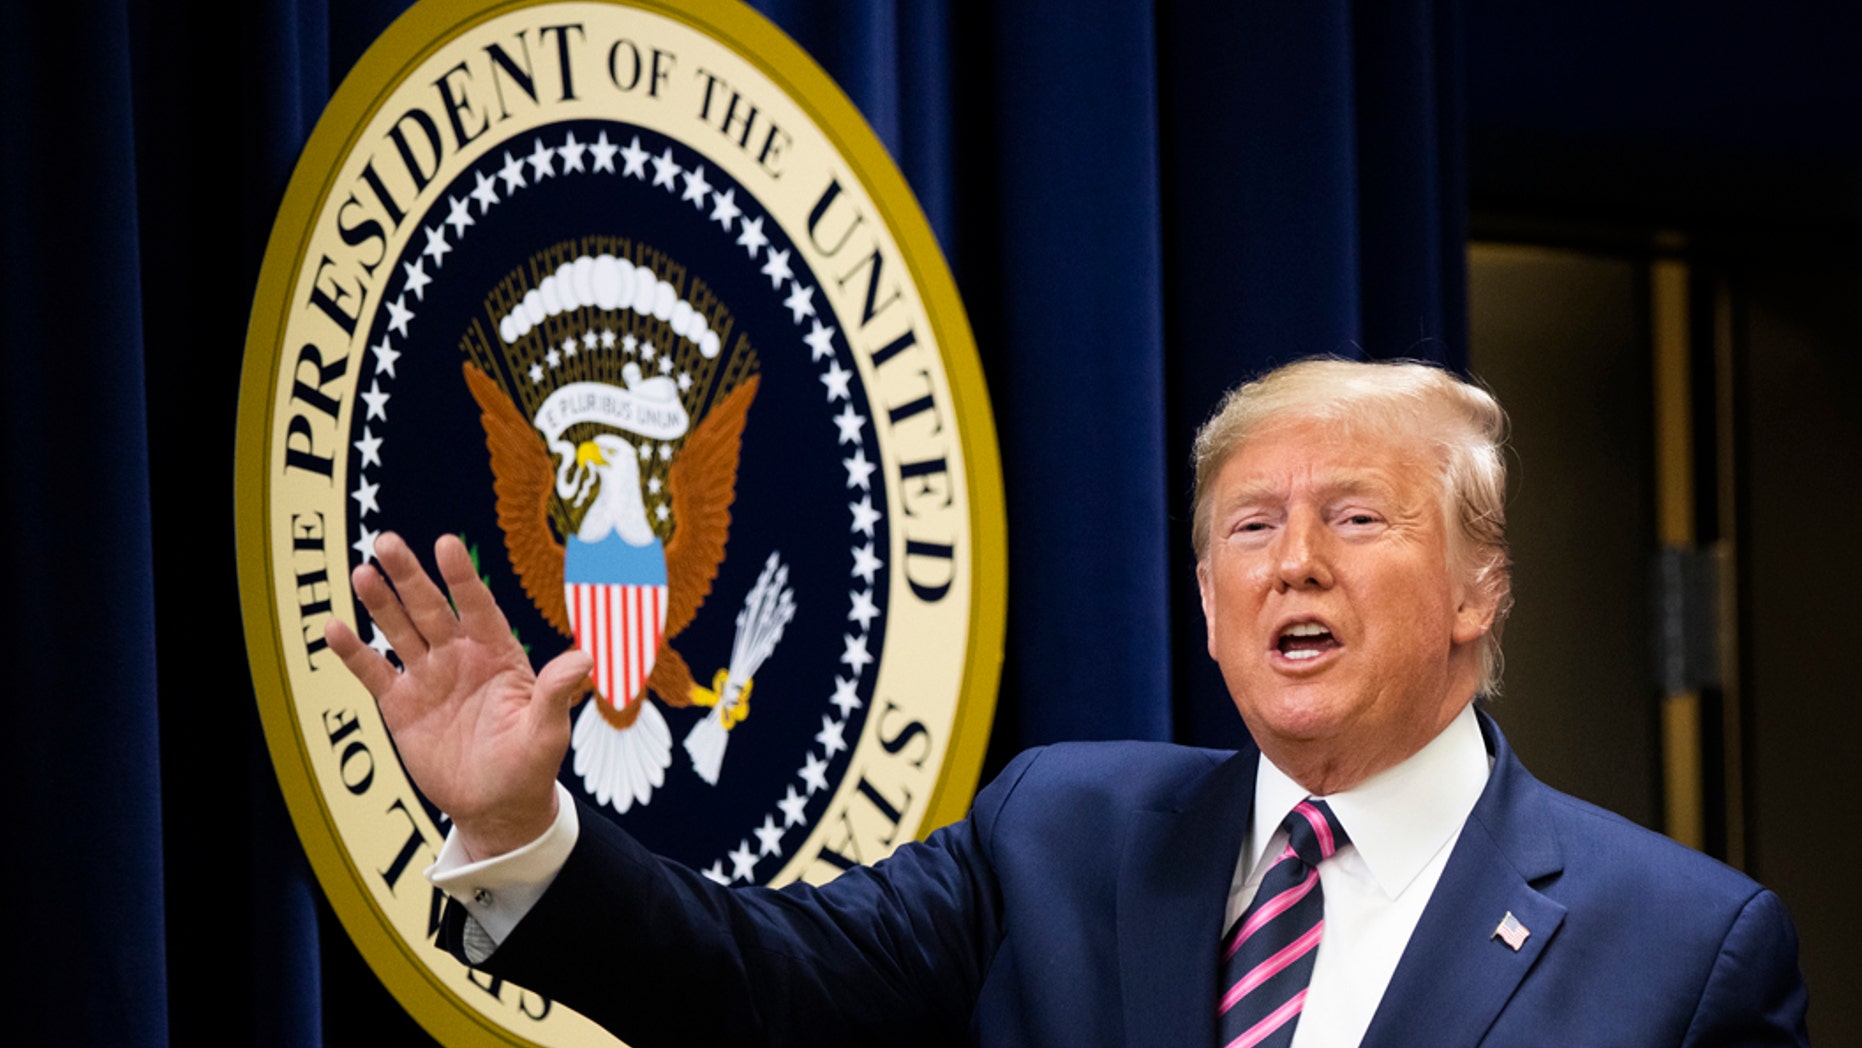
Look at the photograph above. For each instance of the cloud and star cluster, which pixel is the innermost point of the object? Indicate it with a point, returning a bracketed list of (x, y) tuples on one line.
[(496, 182)]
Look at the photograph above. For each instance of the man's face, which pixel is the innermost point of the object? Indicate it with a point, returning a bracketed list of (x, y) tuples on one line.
[(1346, 639)]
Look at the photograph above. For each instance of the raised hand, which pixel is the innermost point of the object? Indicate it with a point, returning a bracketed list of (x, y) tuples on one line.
[(481, 734)]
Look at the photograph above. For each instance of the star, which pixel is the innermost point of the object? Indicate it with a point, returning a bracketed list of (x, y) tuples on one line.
[(685, 381), (607, 338), (568, 347), (776, 268), (385, 356), (634, 160), (647, 351), (436, 244), (864, 515), (814, 773), (836, 389), (794, 808), (365, 498), (844, 697), (553, 358), (630, 343), (364, 545), (399, 315), (769, 835), (859, 470), (459, 214), (370, 447), (589, 338), (830, 735), (820, 341), (512, 172), (661, 512), (665, 452), (750, 235), (801, 301), (716, 872), (665, 365), (536, 372), (542, 161), (865, 563), (603, 152), (743, 862), (646, 452), (863, 609), (653, 485), (696, 187), (571, 152), (848, 420), (724, 209), (856, 654), (377, 401), (417, 278), (486, 192), (379, 640), (664, 170)]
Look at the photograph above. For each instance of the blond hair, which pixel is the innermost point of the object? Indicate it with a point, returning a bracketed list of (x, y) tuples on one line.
[(1462, 422)]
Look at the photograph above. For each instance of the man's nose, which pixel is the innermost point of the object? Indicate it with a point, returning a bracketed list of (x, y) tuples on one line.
[(1304, 555)]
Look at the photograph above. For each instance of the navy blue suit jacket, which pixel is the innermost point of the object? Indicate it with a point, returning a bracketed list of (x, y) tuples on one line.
[(1082, 900)]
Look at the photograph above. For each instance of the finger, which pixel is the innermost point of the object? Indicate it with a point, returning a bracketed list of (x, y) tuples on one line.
[(426, 605), (479, 614), (390, 617), (560, 683), (373, 669)]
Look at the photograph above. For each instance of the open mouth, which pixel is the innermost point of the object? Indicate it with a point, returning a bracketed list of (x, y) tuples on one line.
[(1305, 640)]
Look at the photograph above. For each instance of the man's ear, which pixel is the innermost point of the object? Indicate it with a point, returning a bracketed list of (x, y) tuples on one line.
[(1208, 599), (1479, 604)]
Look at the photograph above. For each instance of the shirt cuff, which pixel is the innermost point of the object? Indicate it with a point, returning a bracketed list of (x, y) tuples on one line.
[(498, 892)]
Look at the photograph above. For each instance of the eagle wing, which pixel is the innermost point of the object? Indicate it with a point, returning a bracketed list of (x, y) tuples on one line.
[(523, 479), (703, 484)]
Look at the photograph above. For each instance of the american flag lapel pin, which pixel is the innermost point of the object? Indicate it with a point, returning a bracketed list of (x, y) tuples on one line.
[(1511, 932)]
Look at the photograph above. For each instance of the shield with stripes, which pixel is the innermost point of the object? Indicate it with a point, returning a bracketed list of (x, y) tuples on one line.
[(618, 621)]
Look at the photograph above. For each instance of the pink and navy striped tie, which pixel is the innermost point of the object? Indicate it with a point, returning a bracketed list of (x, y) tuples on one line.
[(1267, 957)]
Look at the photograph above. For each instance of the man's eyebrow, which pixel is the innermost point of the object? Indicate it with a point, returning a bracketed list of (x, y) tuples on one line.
[(1250, 494), (1345, 484)]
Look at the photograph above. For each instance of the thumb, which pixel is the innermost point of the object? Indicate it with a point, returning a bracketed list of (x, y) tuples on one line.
[(562, 680)]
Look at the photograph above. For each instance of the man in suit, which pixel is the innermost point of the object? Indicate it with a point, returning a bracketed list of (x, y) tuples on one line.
[(1387, 871)]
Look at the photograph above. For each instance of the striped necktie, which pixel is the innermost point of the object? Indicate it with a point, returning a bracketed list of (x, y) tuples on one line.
[(1267, 957)]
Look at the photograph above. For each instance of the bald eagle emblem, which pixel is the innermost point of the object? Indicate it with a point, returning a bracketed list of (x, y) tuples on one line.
[(610, 582)]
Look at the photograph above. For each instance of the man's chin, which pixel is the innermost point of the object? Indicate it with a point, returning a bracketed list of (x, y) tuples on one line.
[(1300, 721)]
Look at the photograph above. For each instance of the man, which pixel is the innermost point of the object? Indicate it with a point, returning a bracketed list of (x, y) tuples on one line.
[(1387, 872)]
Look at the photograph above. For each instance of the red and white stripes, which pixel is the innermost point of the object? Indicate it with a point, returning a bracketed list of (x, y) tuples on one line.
[(620, 627)]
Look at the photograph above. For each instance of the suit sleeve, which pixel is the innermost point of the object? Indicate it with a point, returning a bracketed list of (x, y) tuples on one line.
[(1755, 993), (659, 955)]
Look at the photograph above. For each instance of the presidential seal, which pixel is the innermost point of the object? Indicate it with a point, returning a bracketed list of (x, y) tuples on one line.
[(628, 297)]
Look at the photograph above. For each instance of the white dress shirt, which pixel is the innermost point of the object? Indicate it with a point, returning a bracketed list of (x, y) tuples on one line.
[(1402, 822), (498, 892)]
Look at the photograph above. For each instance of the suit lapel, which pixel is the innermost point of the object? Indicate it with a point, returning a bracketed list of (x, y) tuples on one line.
[(1173, 885), (1456, 976)]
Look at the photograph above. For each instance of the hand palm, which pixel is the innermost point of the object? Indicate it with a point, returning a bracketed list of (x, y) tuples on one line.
[(481, 734)]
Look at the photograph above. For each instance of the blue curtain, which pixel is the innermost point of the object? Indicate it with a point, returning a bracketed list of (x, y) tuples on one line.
[(82, 771), (1143, 204)]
